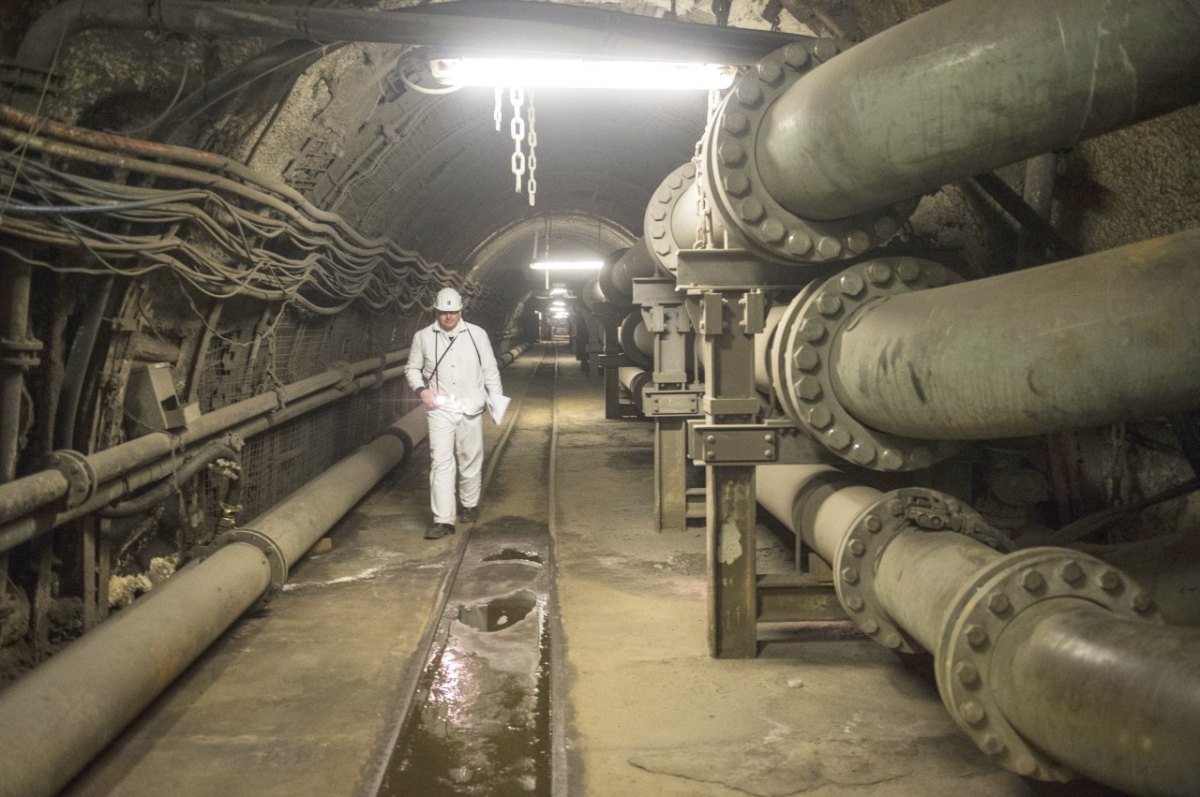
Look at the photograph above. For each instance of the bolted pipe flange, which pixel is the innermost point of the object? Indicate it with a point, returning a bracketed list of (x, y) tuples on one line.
[(980, 613), (734, 185), (269, 548), (805, 344), (79, 473), (667, 229), (908, 510)]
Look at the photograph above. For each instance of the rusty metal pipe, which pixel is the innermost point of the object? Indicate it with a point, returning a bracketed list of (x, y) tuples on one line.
[(15, 295), (969, 86), (1102, 338)]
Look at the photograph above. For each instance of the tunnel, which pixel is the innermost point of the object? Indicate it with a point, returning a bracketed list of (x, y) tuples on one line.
[(854, 358)]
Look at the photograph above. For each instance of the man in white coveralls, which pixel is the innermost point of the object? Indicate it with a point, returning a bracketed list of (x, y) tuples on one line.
[(452, 369)]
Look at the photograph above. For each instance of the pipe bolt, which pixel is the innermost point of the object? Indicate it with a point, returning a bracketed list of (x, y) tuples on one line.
[(857, 548), (658, 214), (808, 388), (972, 712), (819, 417), (921, 457), (795, 56), (748, 94), (674, 181), (967, 674), (798, 242), (829, 304), (769, 71), (858, 241), (850, 575), (896, 507), (998, 603), (751, 210), (908, 270), (709, 454), (770, 438), (663, 196), (1025, 765), (737, 184), (1142, 602), (772, 231), (1110, 581), (837, 438), (829, 247), (731, 153), (873, 524), (662, 247), (854, 603), (891, 641), (824, 49), (885, 227), (991, 745), (1032, 581), (657, 229), (1071, 573), (806, 358), (862, 453), (976, 636), (879, 273), (768, 452), (710, 439), (735, 122), (851, 284), (812, 330), (869, 626), (891, 459)]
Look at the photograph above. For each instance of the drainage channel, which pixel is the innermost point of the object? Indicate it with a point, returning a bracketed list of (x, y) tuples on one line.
[(481, 717)]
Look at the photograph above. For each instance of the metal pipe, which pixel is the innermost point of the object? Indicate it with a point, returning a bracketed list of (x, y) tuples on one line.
[(1102, 338), (57, 718), (969, 86), (15, 295), (43, 488), (550, 30), (1115, 699), (33, 524)]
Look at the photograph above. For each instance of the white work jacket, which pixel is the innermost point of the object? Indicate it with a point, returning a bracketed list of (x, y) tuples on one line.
[(466, 368)]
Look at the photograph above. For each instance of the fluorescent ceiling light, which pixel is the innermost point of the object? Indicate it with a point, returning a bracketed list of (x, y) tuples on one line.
[(566, 265), (575, 73), (560, 314), (560, 292)]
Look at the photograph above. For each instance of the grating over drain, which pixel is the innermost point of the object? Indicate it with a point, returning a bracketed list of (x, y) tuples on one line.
[(498, 613), (512, 554)]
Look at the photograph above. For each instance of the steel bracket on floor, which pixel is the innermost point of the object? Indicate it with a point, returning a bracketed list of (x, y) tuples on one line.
[(665, 403), (794, 598), (751, 444)]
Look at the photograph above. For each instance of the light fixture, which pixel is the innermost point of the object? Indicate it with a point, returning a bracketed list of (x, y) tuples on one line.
[(575, 73), (560, 314), (559, 292), (566, 265)]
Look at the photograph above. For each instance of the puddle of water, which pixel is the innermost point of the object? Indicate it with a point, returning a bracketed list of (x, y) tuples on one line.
[(498, 613), (513, 554)]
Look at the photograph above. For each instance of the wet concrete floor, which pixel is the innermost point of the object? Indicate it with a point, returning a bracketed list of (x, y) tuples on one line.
[(309, 695)]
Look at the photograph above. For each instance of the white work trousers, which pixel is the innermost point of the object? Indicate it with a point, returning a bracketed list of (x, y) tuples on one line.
[(454, 439)]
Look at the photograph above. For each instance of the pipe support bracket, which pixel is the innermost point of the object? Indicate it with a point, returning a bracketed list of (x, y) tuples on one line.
[(982, 611), (908, 510), (733, 182), (802, 361)]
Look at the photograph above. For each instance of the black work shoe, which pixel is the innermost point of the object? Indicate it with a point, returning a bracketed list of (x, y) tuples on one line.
[(469, 514), (439, 530)]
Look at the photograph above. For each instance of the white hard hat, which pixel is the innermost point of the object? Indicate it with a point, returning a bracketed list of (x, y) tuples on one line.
[(448, 301)]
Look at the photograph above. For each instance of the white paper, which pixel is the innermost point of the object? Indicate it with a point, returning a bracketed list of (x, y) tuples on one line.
[(497, 405)]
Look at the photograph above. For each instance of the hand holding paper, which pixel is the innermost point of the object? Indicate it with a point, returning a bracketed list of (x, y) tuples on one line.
[(497, 405)]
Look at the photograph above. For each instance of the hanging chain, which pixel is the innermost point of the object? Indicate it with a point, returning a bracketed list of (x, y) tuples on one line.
[(498, 111), (516, 130), (532, 184)]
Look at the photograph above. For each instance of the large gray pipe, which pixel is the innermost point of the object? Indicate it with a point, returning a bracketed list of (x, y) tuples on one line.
[(58, 717), (1115, 699), (1103, 338), (969, 86)]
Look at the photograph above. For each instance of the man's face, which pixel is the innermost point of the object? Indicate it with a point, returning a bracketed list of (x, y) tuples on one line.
[(448, 319)]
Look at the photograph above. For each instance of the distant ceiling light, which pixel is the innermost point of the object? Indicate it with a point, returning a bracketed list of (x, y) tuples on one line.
[(560, 314), (566, 265), (560, 292), (580, 74)]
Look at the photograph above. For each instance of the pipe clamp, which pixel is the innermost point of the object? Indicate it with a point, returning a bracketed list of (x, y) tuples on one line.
[(802, 357), (980, 613), (900, 511), (269, 548)]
